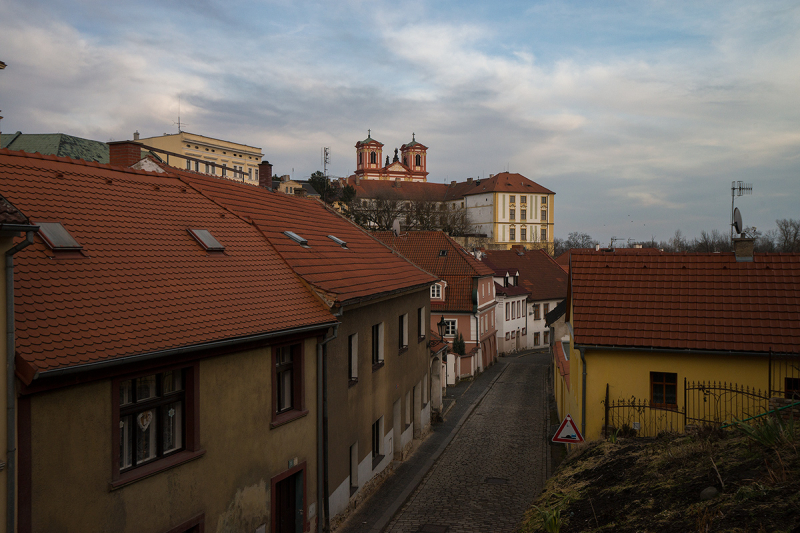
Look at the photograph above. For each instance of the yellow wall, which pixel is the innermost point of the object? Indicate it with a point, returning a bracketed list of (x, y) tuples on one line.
[(72, 455), (211, 150), (628, 375), (533, 224)]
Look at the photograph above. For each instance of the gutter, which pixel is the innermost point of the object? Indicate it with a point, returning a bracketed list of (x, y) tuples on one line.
[(179, 351), (11, 392), (322, 430), (670, 350)]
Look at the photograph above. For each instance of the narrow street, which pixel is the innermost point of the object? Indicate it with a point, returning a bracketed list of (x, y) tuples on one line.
[(494, 467)]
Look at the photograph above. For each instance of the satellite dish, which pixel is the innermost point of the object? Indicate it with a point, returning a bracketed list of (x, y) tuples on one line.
[(737, 221)]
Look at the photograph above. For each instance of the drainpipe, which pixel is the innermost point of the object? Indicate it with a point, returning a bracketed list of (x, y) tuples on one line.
[(322, 431), (583, 393), (11, 392)]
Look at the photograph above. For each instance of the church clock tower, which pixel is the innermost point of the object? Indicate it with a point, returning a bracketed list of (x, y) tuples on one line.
[(368, 155)]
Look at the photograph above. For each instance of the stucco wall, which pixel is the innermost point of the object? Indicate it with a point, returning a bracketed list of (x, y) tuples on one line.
[(353, 409), (628, 375), (72, 455)]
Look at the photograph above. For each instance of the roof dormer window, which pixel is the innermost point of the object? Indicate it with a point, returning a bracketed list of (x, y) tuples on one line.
[(338, 241), (206, 240), (297, 238), (58, 238)]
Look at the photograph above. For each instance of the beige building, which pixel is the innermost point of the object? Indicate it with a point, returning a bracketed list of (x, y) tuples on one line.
[(207, 155)]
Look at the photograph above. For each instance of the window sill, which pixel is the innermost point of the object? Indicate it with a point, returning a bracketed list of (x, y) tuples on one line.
[(352, 382), (285, 418), (155, 467), (421, 339), (402, 350), (376, 460), (377, 366)]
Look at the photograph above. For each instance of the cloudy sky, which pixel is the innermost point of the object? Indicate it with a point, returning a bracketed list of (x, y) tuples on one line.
[(637, 114)]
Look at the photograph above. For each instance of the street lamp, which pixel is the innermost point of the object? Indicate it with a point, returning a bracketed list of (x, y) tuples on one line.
[(441, 325)]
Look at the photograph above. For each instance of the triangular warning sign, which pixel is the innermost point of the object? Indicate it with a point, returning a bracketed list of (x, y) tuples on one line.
[(568, 432)]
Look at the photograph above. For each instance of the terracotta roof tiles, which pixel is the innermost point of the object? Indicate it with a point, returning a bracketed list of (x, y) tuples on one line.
[(539, 274), (697, 301), (455, 265), (143, 284), (365, 269)]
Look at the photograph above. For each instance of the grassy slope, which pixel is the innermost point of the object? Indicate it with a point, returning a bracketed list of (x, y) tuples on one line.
[(655, 485)]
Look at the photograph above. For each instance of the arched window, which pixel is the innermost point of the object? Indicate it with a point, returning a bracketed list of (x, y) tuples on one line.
[(373, 158), (405, 161), (419, 160), (359, 158)]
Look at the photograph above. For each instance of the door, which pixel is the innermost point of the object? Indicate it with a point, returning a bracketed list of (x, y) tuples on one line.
[(289, 504)]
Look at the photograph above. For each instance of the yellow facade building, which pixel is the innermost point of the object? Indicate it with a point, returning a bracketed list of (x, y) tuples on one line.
[(661, 341), (207, 155)]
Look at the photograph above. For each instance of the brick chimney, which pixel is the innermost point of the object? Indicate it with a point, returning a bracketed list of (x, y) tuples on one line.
[(743, 249), (265, 175), (124, 153)]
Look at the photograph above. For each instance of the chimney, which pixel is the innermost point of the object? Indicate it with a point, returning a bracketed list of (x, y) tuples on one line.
[(453, 183), (743, 249), (265, 175), (469, 180), (124, 153), (136, 135)]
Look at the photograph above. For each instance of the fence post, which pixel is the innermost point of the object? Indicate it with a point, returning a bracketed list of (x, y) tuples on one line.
[(685, 404), (605, 426)]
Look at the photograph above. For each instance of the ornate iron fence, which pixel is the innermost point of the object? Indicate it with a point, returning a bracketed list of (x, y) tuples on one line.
[(717, 403)]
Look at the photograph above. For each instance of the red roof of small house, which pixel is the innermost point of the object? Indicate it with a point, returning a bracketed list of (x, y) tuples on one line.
[(364, 268), (437, 253), (539, 274), (142, 283), (563, 259), (686, 301)]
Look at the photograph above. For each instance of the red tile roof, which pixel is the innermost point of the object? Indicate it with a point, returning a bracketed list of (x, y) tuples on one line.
[(563, 259), (457, 267), (696, 301), (441, 192), (365, 269), (539, 274), (513, 290), (145, 284)]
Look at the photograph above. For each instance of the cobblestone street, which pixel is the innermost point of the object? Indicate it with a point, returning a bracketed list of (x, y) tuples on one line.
[(496, 464)]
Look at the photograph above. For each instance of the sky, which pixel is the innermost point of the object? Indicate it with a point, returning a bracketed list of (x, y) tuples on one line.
[(638, 115)]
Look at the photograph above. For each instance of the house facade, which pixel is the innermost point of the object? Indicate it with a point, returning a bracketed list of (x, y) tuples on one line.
[(508, 209), (378, 367), (159, 387), (464, 296), (667, 330), (207, 155), (543, 281)]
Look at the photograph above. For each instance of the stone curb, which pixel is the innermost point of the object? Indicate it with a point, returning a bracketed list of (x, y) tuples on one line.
[(384, 520)]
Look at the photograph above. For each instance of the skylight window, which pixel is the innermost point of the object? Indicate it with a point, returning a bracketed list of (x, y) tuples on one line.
[(297, 238), (442, 253), (338, 241), (206, 240), (57, 237)]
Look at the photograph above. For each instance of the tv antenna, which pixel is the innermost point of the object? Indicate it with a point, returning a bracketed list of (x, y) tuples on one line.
[(179, 123), (738, 188), (326, 159)]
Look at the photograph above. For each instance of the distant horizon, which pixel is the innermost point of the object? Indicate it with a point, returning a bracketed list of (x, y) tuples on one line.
[(638, 115)]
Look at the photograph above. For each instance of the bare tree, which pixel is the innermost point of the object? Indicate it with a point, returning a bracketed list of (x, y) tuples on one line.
[(422, 215), (788, 235)]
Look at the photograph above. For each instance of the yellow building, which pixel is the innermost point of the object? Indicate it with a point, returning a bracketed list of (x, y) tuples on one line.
[(509, 208), (658, 341), (207, 155)]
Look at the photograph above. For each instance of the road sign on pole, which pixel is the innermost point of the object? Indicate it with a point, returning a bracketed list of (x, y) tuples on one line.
[(568, 432)]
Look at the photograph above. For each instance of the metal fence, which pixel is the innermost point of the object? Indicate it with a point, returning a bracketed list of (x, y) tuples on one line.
[(717, 403)]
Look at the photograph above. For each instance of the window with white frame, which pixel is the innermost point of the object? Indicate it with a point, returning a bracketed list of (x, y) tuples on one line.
[(508, 311), (436, 291), (422, 327), (450, 327), (377, 441)]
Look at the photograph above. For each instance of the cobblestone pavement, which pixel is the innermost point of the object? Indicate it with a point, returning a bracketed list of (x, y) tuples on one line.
[(377, 510), (496, 464)]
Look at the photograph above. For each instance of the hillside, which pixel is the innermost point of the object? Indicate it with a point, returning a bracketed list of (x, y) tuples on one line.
[(655, 485)]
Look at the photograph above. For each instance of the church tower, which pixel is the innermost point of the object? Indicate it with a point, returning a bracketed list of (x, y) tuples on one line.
[(369, 154), (414, 156)]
